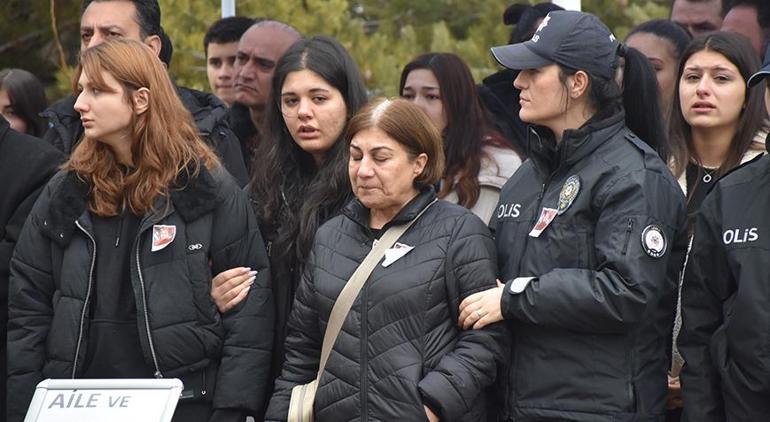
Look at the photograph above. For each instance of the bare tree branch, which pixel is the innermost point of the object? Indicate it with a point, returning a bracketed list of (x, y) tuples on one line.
[(62, 57)]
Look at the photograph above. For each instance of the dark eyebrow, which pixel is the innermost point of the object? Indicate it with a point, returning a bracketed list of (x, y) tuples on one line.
[(312, 91), (382, 148), (111, 28), (717, 67)]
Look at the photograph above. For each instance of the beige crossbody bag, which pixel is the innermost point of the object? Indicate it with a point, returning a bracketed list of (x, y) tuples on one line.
[(303, 396)]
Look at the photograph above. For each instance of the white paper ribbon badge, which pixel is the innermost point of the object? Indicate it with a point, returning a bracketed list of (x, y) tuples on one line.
[(546, 216), (162, 236), (395, 253)]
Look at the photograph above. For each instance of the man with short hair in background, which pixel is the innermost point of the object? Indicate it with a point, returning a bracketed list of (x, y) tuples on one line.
[(220, 44), (750, 18), (139, 20), (699, 16), (259, 49)]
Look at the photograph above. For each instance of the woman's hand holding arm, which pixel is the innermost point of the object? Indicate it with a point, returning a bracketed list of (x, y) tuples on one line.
[(230, 287), (481, 309)]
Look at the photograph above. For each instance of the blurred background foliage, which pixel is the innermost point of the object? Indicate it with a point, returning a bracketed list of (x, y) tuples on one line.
[(382, 35)]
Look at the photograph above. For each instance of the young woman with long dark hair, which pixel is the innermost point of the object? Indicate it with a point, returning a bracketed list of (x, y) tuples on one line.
[(714, 124), (478, 159), (111, 274), (300, 176), (715, 117), (725, 296)]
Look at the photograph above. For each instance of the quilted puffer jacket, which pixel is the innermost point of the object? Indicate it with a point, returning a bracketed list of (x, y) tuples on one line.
[(221, 359), (400, 346)]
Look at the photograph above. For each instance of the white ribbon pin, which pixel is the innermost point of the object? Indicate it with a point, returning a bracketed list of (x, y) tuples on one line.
[(395, 253)]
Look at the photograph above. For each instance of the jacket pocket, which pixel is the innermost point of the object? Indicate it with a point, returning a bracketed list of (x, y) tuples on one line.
[(199, 384), (200, 282), (629, 231)]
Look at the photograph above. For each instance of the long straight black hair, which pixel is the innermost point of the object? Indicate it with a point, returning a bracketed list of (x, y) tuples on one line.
[(292, 194)]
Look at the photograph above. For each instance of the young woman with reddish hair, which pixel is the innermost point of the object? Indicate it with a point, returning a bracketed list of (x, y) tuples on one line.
[(111, 274)]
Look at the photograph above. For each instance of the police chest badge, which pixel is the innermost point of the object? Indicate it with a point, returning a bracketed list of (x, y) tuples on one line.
[(569, 191), (654, 241)]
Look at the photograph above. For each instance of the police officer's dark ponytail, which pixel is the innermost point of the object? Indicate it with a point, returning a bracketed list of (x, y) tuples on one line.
[(638, 96), (641, 101)]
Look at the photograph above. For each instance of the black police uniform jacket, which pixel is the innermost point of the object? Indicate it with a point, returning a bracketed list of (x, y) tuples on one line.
[(400, 346), (222, 358), (590, 330), (209, 113), (725, 337)]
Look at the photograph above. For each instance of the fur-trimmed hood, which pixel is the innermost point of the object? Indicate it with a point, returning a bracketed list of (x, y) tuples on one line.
[(191, 198)]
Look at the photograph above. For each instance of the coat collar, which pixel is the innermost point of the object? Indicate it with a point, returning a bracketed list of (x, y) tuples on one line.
[(357, 212), (576, 144), (191, 197)]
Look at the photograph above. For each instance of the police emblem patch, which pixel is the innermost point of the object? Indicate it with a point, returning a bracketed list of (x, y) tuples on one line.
[(569, 191), (654, 241)]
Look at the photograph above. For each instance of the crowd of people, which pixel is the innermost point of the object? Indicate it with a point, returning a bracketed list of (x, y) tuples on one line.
[(580, 237)]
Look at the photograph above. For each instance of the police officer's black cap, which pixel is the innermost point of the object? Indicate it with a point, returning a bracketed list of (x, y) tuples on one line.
[(575, 40), (763, 72)]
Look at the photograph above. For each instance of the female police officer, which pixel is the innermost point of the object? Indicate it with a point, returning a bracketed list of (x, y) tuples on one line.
[(588, 231)]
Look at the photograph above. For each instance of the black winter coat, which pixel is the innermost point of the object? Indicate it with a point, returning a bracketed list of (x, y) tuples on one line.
[(221, 358), (209, 113), (590, 330), (26, 164), (400, 346), (725, 336)]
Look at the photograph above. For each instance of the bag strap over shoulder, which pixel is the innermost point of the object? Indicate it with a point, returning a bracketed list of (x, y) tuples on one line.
[(349, 293)]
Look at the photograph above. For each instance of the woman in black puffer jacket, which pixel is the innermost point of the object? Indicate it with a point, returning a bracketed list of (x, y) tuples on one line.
[(400, 354), (112, 271)]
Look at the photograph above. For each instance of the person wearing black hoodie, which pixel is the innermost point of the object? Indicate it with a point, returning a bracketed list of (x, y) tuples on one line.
[(140, 20), (26, 164)]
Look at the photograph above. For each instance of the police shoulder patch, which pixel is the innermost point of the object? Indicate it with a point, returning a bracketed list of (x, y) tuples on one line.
[(654, 241), (569, 191)]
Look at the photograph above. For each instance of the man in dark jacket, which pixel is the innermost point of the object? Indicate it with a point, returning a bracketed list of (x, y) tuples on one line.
[(140, 20), (259, 50), (26, 164)]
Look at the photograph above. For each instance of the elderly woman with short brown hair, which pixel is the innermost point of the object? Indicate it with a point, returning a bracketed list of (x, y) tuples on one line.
[(400, 354)]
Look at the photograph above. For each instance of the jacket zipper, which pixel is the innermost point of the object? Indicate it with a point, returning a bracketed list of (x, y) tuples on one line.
[(85, 302), (364, 355), (157, 374), (629, 229)]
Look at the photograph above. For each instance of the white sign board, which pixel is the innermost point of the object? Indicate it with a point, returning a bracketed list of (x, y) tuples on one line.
[(113, 400)]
